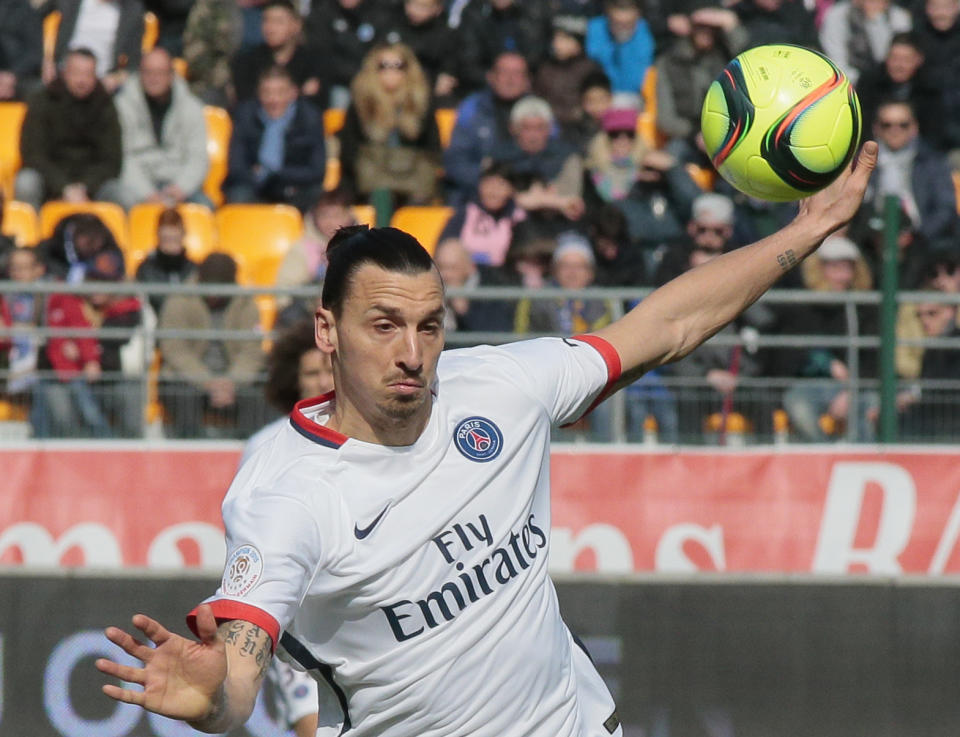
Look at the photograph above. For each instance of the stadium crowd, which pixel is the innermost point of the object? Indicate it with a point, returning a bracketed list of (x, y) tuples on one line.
[(559, 139)]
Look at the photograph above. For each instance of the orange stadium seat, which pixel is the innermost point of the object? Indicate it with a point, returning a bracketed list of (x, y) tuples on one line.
[(51, 26), (647, 119), (20, 222), (704, 176), (331, 176), (333, 119), (364, 215), (258, 237), (151, 32), (956, 189), (11, 121), (201, 236), (219, 129), (180, 67), (423, 223), (446, 119), (112, 216)]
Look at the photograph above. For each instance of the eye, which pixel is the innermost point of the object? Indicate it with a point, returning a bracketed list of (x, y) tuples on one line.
[(383, 326)]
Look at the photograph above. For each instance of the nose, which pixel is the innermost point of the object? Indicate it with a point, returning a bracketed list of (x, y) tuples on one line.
[(411, 354)]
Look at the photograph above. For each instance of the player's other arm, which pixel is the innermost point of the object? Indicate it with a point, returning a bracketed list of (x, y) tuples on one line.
[(679, 316), (211, 684)]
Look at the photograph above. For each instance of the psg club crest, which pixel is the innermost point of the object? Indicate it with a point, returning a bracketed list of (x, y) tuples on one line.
[(478, 439)]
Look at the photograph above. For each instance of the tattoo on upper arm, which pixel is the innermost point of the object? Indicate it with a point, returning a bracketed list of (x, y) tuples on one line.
[(250, 641), (787, 259)]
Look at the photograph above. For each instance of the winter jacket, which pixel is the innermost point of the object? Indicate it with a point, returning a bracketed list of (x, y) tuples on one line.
[(485, 234), (128, 40), (69, 140), (625, 63), (179, 157), (558, 82), (345, 35), (21, 38)]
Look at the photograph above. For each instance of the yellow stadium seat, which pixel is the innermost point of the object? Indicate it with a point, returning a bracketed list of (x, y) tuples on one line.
[(647, 119), (219, 129), (180, 67), (704, 176), (51, 26), (423, 223), (258, 237), (364, 215), (331, 177), (333, 119), (446, 119), (20, 221), (151, 32), (11, 121), (198, 221), (112, 216)]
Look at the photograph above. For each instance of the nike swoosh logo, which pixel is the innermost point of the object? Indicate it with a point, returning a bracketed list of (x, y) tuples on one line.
[(361, 532), (571, 343)]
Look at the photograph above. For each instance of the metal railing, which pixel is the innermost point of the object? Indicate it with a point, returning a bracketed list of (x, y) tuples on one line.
[(696, 402)]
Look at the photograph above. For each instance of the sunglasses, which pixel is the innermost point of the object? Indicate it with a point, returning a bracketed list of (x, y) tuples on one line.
[(888, 124), (715, 229), (626, 133), (395, 65)]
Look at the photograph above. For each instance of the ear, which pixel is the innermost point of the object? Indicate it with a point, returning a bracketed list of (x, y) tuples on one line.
[(325, 331)]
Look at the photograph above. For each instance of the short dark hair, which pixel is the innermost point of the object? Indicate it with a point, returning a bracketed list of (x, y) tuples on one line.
[(595, 79), (283, 5), (282, 389), (907, 38), (890, 101), (357, 245), (276, 72), (217, 268), (170, 217), (81, 51), (629, 4)]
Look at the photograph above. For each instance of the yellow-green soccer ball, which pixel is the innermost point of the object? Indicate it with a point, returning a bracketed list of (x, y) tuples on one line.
[(780, 122)]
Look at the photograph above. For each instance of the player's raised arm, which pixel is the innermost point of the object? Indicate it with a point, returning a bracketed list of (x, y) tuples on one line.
[(212, 683), (679, 316)]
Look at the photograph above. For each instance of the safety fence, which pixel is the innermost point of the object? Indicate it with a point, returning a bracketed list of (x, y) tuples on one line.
[(143, 400)]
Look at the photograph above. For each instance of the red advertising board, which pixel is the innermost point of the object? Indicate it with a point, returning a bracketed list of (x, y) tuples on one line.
[(783, 512)]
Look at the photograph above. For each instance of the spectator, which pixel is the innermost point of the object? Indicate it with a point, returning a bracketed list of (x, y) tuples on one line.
[(710, 38), (659, 204), (919, 177), (777, 21), (210, 41), (856, 34), (483, 122), (168, 263), (901, 77), (614, 157), (23, 310), (547, 170), (465, 314), (938, 32), (560, 76), (164, 141), (929, 413), (112, 30), (490, 27), (619, 262), (346, 31), (282, 47), (172, 21), (595, 100), (484, 225), (306, 261), (84, 389), (837, 266), (207, 386), (76, 242), (21, 49), (423, 28), (277, 151), (621, 42), (390, 138), (709, 232), (70, 144)]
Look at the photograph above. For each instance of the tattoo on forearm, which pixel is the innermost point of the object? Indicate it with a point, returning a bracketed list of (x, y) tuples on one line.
[(787, 259), (233, 630)]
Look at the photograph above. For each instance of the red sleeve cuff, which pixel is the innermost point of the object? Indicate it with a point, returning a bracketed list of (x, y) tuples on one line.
[(226, 609), (609, 355)]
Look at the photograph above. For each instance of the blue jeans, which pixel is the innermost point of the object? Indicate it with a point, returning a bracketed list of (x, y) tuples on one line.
[(67, 409)]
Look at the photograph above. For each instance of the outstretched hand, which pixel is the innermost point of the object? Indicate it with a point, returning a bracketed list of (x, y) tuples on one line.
[(181, 678), (837, 203)]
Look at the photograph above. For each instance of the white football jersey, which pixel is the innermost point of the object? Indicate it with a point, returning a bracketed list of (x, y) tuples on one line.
[(413, 579)]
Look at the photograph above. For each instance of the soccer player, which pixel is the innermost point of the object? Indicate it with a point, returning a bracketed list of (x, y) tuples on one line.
[(393, 540)]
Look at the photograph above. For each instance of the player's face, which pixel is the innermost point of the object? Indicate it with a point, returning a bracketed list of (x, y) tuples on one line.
[(314, 374), (387, 342)]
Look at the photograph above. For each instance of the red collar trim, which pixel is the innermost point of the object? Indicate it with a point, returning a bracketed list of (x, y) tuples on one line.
[(310, 429)]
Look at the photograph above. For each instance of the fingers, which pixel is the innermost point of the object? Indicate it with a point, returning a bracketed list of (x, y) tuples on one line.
[(206, 623), (157, 633), (866, 161), (123, 672), (126, 695), (129, 644)]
